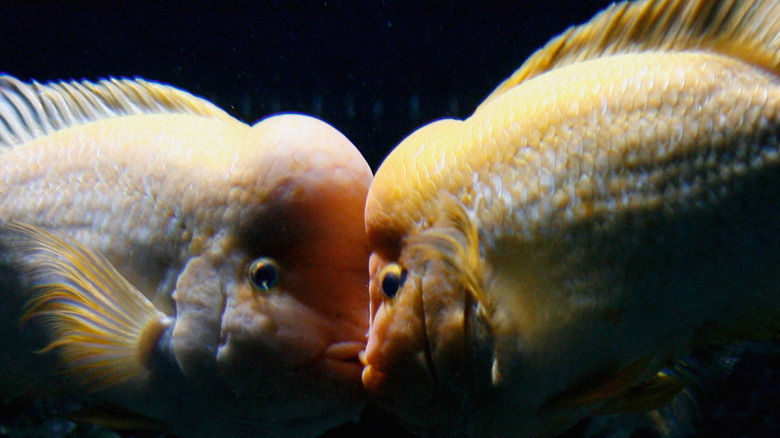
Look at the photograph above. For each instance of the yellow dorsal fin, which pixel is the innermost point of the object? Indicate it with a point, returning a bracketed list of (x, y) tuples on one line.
[(103, 328), (29, 111), (742, 29)]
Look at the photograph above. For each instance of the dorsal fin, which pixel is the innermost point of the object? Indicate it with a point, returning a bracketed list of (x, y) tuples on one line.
[(742, 29), (29, 111)]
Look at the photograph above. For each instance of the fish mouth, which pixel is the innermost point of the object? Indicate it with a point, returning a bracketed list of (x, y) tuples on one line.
[(342, 360)]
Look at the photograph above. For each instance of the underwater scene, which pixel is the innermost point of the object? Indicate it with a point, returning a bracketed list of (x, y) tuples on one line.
[(322, 218)]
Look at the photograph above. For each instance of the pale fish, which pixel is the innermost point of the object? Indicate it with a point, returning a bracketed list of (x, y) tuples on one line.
[(174, 268), (610, 207)]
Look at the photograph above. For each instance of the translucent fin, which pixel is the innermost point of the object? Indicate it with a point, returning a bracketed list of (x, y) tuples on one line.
[(103, 329), (620, 392), (741, 29), (114, 417), (649, 395), (704, 371), (29, 111), (707, 369)]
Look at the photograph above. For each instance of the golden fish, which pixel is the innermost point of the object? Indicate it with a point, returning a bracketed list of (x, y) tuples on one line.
[(611, 206), (229, 298)]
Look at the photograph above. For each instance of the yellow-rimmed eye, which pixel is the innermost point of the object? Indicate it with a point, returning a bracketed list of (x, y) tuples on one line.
[(264, 273), (391, 279)]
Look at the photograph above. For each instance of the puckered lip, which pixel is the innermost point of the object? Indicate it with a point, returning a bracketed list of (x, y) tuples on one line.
[(342, 359), (372, 378)]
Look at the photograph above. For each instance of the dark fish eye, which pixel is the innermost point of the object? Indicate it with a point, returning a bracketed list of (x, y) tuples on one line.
[(392, 278), (264, 273)]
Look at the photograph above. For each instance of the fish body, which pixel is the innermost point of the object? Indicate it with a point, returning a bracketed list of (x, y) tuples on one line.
[(171, 263), (611, 207)]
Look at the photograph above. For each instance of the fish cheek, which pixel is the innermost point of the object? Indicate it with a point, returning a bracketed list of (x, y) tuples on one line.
[(444, 304), (248, 356), (443, 300), (199, 306)]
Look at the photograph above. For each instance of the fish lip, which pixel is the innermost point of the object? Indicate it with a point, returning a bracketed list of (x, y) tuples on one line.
[(342, 359), (344, 350)]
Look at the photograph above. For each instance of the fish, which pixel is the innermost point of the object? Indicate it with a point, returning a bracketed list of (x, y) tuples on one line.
[(608, 210), (166, 266)]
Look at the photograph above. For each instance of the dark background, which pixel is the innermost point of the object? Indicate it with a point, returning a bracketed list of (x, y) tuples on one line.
[(376, 70)]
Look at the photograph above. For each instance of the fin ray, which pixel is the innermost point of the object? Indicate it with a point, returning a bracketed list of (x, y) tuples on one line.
[(29, 111), (454, 239), (742, 29), (101, 326), (624, 391)]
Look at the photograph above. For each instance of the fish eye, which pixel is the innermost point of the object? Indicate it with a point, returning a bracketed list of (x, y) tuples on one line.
[(264, 273), (392, 277)]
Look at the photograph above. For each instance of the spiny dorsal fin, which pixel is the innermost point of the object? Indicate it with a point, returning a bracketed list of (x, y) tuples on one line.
[(29, 111), (742, 29)]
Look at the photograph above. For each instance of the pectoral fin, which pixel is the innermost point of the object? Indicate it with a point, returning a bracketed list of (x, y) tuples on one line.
[(102, 327), (647, 395), (625, 391), (114, 417)]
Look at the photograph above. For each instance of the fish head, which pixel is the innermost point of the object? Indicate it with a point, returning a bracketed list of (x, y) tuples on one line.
[(273, 311), (429, 348)]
